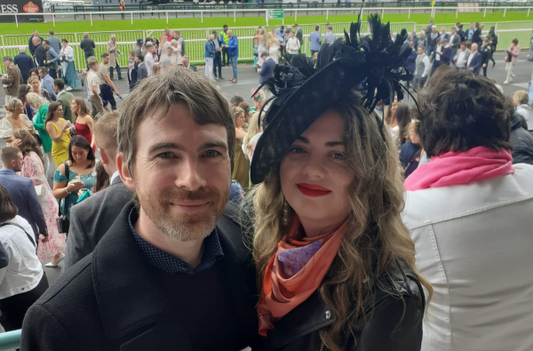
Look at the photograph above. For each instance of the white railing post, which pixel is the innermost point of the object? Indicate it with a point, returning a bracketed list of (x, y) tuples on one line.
[(91, 17), (3, 46), (167, 16), (485, 12), (266, 17), (504, 12), (457, 12), (409, 13), (528, 10), (17, 21), (77, 48), (234, 16), (295, 16), (327, 14), (202, 16), (131, 18), (382, 13), (54, 19)]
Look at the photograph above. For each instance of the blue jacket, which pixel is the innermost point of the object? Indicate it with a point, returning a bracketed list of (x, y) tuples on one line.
[(23, 194), (48, 84), (476, 62), (25, 63), (410, 62), (315, 40), (209, 49), (233, 46), (267, 70)]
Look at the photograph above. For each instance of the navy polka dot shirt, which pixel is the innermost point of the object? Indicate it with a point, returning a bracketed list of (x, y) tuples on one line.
[(171, 264)]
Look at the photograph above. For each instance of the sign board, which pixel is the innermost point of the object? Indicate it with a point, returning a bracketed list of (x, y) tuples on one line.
[(275, 14), (29, 10)]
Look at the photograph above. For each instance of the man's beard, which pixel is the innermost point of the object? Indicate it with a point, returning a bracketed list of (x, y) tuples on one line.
[(183, 226)]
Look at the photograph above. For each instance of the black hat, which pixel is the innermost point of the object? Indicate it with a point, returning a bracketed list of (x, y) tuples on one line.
[(302, 93)]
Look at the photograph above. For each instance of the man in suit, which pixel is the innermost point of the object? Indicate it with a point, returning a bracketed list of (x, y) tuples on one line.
[(24, 63), (52, 59), (443, 35), (88, 46), (55, 42), (460, 31), (299, 35), (31, 42), (485, 52), (315, 41), (474, 60), (47, 82), (172, 260), (11, 79), (267, 70), (92, 218), (142, 71), (330, 37), (133, 70), (22, 191), (446, 53), (461, 57), (65, 99), (39, 53), (455, 41)]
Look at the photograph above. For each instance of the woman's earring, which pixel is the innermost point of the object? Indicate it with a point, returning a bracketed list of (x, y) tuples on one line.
[(285, 219)]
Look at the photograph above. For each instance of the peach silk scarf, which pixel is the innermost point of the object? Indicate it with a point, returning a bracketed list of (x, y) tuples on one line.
[(295, 272)]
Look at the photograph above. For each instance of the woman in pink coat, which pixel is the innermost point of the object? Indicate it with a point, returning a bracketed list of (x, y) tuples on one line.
[(511, 59)]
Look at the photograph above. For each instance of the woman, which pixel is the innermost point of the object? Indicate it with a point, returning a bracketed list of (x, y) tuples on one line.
[(245, 106), (476, 37), (40, 105), (261, 47), (403, 118), (34, 72), (24, 89), (253, 134), (511, 59), (209, 56), (241, 166), (272, 44), (23, 280), (411, 150), (101, 180), (76, 173), (58, 129), (393, 124), (15, 120), (35, 84), (493, 42), (84, 123), (33, 168), (335, 263), (68, 68)]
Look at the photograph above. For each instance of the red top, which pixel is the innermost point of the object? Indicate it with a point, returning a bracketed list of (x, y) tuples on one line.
[(84, 131)]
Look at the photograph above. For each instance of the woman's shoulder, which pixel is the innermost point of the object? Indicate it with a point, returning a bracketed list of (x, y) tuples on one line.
[(398, 280)]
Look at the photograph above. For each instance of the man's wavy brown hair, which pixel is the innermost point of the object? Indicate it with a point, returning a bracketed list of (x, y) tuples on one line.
[(460, 111)]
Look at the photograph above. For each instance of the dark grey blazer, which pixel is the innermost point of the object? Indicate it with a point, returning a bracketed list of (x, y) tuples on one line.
[(92, 218), (23, 194)]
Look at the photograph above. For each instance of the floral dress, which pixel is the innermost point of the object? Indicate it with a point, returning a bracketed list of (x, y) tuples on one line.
[(72, 199), (33, 169)]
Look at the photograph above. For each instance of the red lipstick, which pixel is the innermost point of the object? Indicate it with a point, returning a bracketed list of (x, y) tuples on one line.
[(312, 190)]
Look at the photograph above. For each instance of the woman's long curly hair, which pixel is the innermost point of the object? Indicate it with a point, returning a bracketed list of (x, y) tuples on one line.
[(375, 233)]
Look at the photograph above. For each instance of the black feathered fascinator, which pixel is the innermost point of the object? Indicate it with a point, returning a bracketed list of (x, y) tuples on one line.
[(303, 92)]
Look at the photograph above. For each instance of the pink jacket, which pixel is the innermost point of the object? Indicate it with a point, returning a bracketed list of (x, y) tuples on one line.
[(514, 52)]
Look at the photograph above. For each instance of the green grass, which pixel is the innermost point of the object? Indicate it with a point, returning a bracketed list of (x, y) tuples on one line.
[(216, 22)]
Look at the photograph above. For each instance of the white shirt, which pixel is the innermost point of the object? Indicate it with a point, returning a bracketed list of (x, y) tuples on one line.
[(113, 177), (438, 49), (293, 45), (460, 59), (149, 62), (473, 243), (68, 52), (24, 270)]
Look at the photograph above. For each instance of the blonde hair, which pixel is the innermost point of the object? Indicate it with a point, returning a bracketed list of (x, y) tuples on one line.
[(156, 69), (521, 96), (253, 130), (32, 78), (375, 234), (13, 105), (36, 101)]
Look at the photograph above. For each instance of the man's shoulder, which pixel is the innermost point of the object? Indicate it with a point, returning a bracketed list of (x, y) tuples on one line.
[(115, 195)]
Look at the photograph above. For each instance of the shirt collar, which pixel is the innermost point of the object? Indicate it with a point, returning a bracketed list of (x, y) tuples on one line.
[(171, 264), (113, 177)]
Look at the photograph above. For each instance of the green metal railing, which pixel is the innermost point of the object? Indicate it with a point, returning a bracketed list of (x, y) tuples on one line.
[(10, 340)]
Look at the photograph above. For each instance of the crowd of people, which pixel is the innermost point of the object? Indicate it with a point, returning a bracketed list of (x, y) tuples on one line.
[(333, 216)]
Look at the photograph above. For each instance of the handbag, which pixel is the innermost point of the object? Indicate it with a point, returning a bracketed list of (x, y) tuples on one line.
[(63, 223)]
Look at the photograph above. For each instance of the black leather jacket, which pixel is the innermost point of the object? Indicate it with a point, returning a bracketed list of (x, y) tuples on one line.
[(396, 323)]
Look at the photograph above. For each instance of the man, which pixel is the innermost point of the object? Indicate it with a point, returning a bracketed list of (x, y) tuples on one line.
[(88, 46), (233, 52), (429, 28), (315, 41), (461, 32), (181, 43), (455, 41), (469, 215), (31, 42), (139, 46), (173, 259), (432, 41), (485, 52), (461, 57), (445, 53), (149, 57), (209, 57), (168, 35), (39, 54), (470, 32), (24, 63), (107, 88), (299, 35), (474, 60), (236, 100), (92, 218), (330, 37), (175, 59), (52, 59), (166, 58), (133, 70), (47, 82), (280, 35), (223, 42), (217, 62), (443, 35), (65, 99), (422, 68), (93, 84), (186, 64), (267, 70), (22, 191), (55, 42), (10, 80), (414, 40), (142, 72), (293, 46), (114, 53), (422, 41), (436, 55)]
